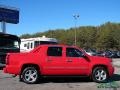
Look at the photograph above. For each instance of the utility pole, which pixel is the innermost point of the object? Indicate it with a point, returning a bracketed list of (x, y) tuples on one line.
[(76, 16)]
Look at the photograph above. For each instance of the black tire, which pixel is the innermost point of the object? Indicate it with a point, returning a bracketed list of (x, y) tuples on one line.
[(100, 75), (20, 78), (30, 75)]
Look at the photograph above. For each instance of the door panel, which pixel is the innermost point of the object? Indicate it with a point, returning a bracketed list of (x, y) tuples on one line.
[(66, 63), (76, 64), (54, 64)]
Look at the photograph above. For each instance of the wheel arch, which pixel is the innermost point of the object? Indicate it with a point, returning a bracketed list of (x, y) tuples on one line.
[(99, 65), (29, 65)]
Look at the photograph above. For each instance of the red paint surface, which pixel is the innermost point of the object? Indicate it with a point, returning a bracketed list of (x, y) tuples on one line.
[(59, 65)]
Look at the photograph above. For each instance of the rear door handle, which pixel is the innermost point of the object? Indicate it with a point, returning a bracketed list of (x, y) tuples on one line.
[(69, 60), (49, 60)]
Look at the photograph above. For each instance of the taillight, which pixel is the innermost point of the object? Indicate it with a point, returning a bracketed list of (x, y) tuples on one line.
[(7, 59)]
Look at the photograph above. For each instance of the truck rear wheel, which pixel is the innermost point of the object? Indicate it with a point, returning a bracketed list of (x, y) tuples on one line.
[(30, 75)]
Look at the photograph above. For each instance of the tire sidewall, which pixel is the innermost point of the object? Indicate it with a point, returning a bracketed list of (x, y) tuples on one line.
[(23, 75), (94, 71)]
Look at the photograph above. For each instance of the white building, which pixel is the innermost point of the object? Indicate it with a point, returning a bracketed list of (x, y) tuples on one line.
[(30, 43)]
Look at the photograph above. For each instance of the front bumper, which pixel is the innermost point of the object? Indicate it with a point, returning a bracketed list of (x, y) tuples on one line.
[(111, 71)]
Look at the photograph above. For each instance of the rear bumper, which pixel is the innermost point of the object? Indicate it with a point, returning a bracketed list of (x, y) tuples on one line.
[(5, 70), (11, 70)]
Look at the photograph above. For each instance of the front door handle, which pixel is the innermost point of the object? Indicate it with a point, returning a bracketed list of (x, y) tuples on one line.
[(69, 60)]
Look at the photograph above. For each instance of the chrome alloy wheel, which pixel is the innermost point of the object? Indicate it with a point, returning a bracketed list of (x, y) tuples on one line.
[(100, 75), (31, 75)]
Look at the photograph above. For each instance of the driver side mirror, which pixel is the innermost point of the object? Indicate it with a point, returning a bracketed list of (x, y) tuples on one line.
[(86, 57), (83, 55)]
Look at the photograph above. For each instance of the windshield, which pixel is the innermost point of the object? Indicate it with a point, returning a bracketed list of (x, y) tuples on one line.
[(8, 43)]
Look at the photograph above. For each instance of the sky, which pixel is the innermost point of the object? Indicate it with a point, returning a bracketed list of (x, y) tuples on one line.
[(42, 15)]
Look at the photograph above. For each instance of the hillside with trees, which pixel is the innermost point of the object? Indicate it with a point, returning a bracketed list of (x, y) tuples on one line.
[(105, 36)]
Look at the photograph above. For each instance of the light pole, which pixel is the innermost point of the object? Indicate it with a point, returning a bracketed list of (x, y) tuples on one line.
[(3, 26), (76, 16)]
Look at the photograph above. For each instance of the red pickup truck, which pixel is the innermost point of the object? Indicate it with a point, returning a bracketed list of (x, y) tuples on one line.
[(57, 60)]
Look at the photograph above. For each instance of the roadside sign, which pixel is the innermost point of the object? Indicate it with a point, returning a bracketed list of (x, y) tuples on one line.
[(9, 15)]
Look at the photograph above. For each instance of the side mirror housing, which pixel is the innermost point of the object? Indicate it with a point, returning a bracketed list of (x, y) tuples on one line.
[(83, 55), (86, 57)]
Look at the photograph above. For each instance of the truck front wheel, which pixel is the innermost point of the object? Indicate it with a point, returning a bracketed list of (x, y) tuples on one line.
[(99, 74), (30, 75)]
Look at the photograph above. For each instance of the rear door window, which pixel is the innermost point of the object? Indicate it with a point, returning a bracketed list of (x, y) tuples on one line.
[(54, 51)]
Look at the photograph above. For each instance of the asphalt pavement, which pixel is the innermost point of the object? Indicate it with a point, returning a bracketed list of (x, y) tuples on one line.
[(8, 82)]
